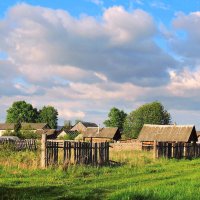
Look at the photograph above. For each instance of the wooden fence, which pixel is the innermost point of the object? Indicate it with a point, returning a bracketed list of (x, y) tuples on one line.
[(18, 145), (176, 150), (73, 152)]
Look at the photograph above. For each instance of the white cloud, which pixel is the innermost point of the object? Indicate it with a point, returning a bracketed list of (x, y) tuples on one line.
[(84, 66), (120, 45)]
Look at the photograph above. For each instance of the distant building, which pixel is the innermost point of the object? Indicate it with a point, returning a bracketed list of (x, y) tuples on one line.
[(106, 134), (4, 127), (168, 133), (82, 126)]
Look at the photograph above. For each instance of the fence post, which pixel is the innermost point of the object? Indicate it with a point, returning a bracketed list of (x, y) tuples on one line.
[(155, 149), (43, 151), (184, 150)]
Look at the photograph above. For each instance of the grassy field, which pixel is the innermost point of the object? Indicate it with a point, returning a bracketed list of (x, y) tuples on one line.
[(138, 177)]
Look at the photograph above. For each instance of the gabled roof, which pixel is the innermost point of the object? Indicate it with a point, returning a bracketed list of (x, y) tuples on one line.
[(33, 126), (108, 132), (168, 133), (89, 124), (45, 131), (7, 126)]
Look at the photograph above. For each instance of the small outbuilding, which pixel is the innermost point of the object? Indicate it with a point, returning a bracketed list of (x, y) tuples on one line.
[(168, 133), (106, 134)]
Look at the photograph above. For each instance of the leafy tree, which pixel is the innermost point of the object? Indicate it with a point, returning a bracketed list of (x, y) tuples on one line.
[(49, 115), (20, 111), (116, 118), (150, 113)]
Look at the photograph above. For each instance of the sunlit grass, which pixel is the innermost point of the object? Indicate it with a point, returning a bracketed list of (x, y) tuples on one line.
[(136, 175)]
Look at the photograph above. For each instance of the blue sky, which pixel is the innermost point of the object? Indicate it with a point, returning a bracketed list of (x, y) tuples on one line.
[(84, 57)]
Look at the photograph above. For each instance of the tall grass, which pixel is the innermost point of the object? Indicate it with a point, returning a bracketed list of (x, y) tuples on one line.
[(22, 159), (138, 176)]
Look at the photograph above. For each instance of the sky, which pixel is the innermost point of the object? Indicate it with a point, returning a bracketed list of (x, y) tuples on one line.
[(85, 57)]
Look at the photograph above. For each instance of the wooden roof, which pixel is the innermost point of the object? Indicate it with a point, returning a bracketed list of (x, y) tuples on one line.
[(108, 132), (46, 131), (33, 126), (168, 133), (7, 126)]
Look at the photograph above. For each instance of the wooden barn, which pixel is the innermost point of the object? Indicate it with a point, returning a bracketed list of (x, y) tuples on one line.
[(168, 133), (97, 134), (82, 126)]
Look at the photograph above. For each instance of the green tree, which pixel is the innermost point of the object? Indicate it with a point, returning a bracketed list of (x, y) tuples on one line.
[(20, 111), (116, 118), (150, 113), (48, 114)]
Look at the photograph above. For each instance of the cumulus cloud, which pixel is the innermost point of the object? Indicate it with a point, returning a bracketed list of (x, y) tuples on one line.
[(120, 45), (187, 41), (83, 66)]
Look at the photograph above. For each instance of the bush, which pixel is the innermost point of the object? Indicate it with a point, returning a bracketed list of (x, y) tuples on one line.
[(69, 136), (12, 133), (29, 134)]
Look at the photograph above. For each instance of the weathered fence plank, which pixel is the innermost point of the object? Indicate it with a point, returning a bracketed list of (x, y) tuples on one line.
[(176, 150)]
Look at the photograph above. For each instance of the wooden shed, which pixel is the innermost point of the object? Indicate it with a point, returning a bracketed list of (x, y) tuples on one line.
[(105, 134), (168, 133)]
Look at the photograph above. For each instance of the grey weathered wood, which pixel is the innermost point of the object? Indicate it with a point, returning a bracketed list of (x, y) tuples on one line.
[(43, 150), (155, 149)]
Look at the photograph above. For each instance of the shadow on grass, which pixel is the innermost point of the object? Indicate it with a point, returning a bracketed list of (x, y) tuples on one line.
[(136, 196), (39, 192), (113, 163), (48, 192)]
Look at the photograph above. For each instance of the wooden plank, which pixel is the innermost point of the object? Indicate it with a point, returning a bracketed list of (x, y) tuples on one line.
[(43, 151)]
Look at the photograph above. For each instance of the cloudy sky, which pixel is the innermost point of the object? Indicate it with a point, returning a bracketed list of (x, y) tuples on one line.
[(85, 56)]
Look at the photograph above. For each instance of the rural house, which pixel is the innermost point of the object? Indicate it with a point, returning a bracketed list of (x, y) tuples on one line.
[(82, 126), (168, 133), (24, 127), (4, 127), (96, 134)]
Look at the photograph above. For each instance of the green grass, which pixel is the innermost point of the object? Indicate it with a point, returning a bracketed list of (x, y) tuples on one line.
[(140, 177)]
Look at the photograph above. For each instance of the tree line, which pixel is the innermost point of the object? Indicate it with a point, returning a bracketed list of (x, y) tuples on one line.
[(21, 111), (129, 124)]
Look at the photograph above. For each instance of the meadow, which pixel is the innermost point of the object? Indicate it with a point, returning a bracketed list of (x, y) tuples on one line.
[(136, 175)]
